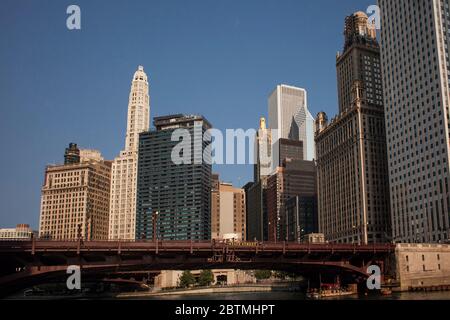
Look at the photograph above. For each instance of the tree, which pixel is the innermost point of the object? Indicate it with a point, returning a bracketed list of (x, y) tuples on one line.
[(186, 279), (263, 274), (206, 278), (281, 275)]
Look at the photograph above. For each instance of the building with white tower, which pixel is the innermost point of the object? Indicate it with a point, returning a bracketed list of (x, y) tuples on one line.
[(122, 220)]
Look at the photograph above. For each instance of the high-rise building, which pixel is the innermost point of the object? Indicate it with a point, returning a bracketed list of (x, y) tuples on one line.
[(174, 197), (122, 220), (255, 192), (288, 149), (300, 218), (415, 65), (294, 178), (75, 201), (256, 209), (228, 211), (351, 149), (290, 117)]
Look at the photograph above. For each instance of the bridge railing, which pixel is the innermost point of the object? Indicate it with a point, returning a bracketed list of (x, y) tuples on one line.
[(241, 246)]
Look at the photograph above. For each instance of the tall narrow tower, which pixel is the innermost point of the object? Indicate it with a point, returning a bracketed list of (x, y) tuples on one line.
[(122, 220), (352, 174)]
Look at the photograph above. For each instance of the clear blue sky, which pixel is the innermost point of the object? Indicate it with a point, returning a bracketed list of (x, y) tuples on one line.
[(219, 58)]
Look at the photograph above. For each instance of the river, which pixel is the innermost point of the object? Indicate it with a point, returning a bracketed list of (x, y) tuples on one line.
[(445, 295)]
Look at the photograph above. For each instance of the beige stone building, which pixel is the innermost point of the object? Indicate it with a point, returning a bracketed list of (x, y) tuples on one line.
[(122, 220), (352, 173), (422, 265), (20, 232), (75, 200), (228, 216)]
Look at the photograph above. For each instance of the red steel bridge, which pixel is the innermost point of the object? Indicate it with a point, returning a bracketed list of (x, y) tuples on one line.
[(28, 262)]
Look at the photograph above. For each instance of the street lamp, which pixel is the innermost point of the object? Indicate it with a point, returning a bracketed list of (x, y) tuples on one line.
[(353, 234), (154, 221), (277, 225)]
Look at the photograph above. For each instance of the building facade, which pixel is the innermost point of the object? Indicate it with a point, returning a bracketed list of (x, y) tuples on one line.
[(353, 196), (228, 212), (122, 220), (75, 201), (422, 265), (301, 218), (415, 64), (20, 232), (288, 149), (294, 178), (255, 192), (174, 198), (290, 117)]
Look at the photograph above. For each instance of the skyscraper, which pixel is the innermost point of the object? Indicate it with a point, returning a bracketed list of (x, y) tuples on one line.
[(289, 114), (415, 63), (122, 220), (177, 196), (255, 192), (75, 200), (351, 149), (295, 178)]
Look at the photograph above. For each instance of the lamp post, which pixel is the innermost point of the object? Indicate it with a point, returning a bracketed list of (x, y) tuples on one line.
[(353, 234), (277, 225), (154, 221)]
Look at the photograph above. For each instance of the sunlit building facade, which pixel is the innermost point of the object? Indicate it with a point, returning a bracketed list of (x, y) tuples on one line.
[(122, 221)]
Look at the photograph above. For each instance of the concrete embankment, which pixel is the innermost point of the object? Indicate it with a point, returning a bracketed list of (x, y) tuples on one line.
[(211, 290)]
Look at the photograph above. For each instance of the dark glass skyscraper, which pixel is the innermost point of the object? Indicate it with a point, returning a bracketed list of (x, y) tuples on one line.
[(174, 199)]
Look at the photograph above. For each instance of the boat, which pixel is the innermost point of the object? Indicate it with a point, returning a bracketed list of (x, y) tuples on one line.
[(328, 294), (329, 291), (386, 291)]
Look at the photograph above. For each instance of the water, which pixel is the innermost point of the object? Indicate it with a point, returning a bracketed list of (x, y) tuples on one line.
[(267, 296)]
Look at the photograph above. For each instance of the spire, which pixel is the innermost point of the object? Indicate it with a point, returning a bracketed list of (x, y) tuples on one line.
[(138, 109), (262, 123)]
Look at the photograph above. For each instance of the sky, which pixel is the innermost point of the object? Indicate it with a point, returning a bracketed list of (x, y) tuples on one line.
[(217, 58)]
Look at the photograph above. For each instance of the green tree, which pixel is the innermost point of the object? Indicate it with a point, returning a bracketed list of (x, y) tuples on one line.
[(206, 278), (280, 275), (186, 279), (263, 274)]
